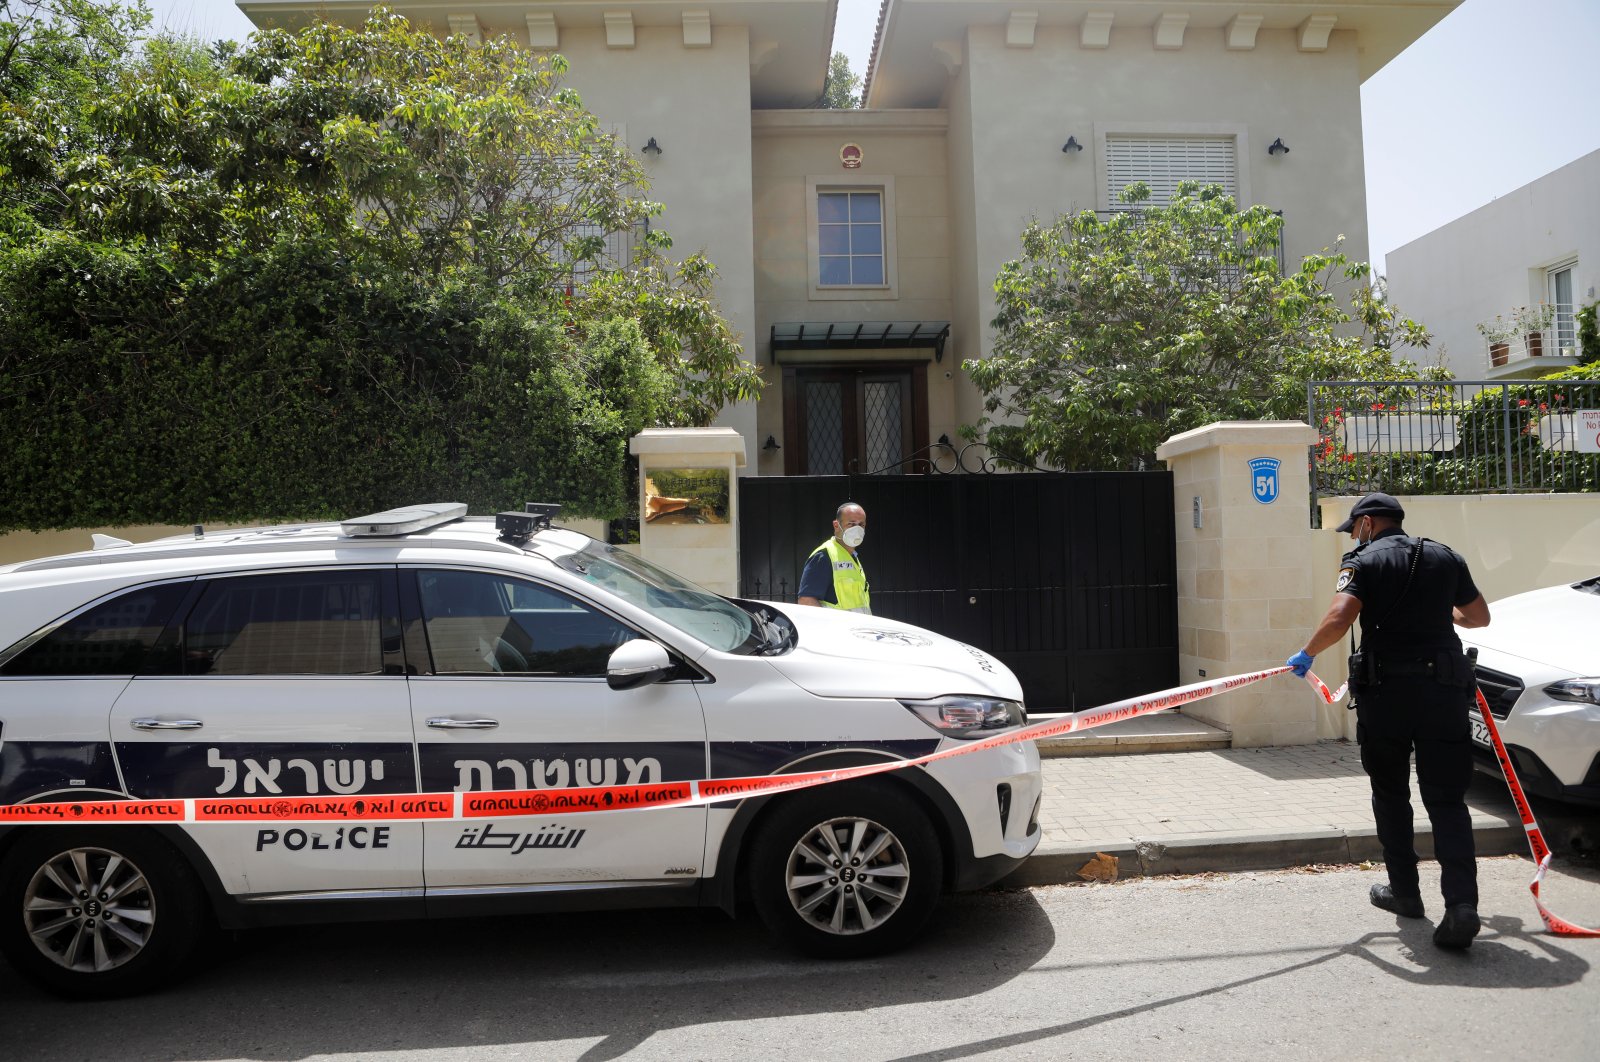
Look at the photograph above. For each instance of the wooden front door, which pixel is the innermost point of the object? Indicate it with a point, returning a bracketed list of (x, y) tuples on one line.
[(853, 419)]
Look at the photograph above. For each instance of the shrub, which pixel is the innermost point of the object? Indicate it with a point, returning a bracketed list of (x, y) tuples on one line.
[(296, 384)]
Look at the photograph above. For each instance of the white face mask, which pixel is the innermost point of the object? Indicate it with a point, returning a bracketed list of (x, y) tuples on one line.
[(853, 536)]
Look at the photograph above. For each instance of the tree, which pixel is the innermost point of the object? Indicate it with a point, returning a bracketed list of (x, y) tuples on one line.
[(445, 157), (56, 58), (842, 91), (326, 272), (1116, 332), (50, 45), (435, 154), (467, 163)]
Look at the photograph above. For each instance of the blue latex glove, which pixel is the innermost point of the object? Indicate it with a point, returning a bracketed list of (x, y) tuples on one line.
[(1300, 663)]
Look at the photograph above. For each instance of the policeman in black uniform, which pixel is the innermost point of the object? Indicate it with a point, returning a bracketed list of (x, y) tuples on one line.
[(1412, 686)]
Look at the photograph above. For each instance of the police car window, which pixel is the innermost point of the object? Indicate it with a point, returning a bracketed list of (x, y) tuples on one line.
[(479, 624), (115, 637), (293, 623), (698, 612)]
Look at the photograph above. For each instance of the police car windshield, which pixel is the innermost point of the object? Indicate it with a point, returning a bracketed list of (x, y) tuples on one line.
[(694, 610)]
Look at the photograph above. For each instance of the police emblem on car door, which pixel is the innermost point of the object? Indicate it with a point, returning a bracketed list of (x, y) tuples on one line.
[(517, 699)]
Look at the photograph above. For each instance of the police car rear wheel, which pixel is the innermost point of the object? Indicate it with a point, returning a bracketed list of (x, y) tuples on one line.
[(102, 913), (848, 870)]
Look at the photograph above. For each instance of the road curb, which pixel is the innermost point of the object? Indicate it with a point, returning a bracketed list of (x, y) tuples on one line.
[(1055, 864)]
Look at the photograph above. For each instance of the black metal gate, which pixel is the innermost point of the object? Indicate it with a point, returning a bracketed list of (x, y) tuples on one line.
[(1069, 578)]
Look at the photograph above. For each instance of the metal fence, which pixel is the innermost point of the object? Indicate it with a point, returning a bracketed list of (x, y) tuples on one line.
[(1455, 437)]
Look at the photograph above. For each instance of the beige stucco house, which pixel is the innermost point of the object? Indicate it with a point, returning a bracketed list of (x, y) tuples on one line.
[(857, 249)]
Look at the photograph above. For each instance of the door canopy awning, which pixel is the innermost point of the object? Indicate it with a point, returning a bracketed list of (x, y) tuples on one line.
[(860, 335)]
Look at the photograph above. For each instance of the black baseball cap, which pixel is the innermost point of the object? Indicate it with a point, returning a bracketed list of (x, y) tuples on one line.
[(1375, 504)]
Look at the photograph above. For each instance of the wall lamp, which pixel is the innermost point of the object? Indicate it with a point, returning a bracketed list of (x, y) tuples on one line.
[(653, 148), (1072, 147), (771, 445), (1278, 147)]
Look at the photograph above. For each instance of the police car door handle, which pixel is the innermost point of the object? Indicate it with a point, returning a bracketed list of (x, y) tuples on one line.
[(442, 722), (167, 724)]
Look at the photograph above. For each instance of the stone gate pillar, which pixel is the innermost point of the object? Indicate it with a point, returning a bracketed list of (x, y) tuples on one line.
[(1245, 551), (689, 502)]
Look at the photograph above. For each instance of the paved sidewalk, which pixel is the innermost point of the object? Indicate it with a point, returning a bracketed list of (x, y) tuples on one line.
[(1230, 809)]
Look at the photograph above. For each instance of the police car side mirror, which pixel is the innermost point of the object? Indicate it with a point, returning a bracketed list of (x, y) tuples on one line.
[(637, 663)]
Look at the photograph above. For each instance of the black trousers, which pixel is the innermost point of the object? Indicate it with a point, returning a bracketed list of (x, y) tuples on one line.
[(1394, 718)]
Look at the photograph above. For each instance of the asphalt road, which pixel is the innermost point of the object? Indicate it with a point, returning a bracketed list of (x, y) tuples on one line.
[(1282, 965)]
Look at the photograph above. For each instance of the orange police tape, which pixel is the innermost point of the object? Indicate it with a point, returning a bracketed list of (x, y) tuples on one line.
[(503, 803), (1541, 851)]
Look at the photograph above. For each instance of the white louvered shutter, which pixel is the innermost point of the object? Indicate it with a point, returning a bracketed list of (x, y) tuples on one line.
[(1161, 162)]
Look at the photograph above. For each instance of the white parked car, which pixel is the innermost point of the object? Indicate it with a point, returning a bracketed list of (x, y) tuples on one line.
[(1539, 669), (422, 650)]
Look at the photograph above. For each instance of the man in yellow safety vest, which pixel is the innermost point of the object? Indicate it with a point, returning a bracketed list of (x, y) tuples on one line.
[(833, 574)]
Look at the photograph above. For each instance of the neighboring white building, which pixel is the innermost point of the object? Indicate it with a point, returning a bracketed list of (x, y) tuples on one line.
[(1538, 244), (858, 249)]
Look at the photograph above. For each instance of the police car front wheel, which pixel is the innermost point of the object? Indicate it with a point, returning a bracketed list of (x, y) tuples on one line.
[(97, 912), (848, 870)]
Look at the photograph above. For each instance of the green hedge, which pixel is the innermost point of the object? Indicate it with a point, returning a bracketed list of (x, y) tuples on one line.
[(296, 385)]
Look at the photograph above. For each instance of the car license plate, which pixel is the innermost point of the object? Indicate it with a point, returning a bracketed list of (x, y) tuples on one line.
[(1480, 731)]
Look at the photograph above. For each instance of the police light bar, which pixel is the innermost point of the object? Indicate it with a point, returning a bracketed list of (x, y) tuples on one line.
[(403, 521)]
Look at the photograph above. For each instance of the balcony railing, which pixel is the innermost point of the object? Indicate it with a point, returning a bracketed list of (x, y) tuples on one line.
[(1558, 340)]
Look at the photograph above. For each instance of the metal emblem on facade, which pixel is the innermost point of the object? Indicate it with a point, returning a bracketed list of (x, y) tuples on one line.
[(1264, 479), (851, 155)]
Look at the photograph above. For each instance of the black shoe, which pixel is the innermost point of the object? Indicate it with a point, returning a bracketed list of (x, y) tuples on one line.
[(1405, 906), (1458, 926)]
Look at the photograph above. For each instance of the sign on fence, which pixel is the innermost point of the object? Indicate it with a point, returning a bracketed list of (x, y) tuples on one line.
[(1578, 431)]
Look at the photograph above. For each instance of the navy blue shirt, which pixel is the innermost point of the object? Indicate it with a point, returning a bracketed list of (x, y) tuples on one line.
[(1395, 620)]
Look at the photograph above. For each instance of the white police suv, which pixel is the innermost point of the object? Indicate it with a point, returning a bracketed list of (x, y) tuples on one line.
[(1538, 666), (425, 651)]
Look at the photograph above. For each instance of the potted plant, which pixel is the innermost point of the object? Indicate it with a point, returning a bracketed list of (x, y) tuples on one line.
[(1499, 333), (1531, 322)]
